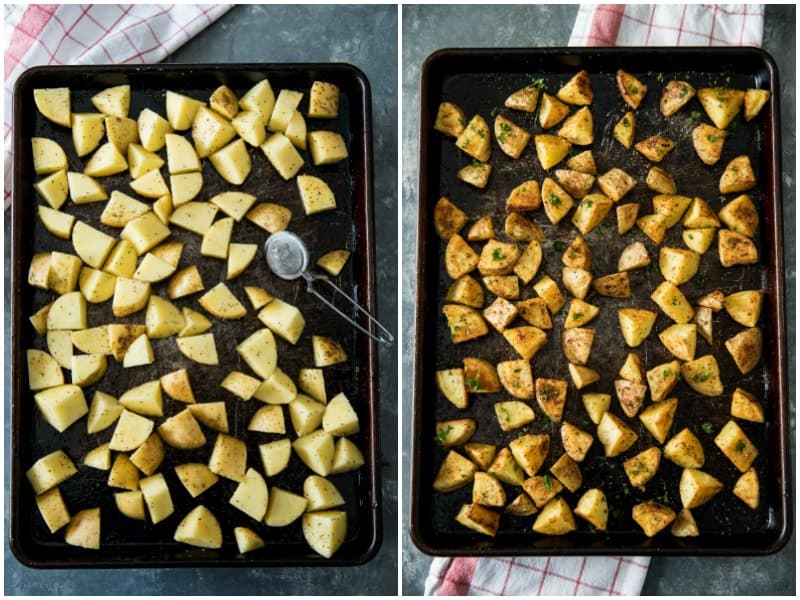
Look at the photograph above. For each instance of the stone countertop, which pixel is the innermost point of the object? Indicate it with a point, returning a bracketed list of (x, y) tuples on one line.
[(252, 33), (428, 28)]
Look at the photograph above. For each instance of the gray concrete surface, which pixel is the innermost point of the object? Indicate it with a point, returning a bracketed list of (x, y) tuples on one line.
[(364, 36), (428, 28)]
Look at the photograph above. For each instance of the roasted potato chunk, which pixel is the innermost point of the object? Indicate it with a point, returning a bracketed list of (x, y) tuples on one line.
[(475, 140), (478, 518), (631, 89), (520, 229), (582, 376), (505, 468), (455, 472), (498, 258), (685, 450), (677, 264), (550, 149), (744, 307), (736, 446), (529, 262), (526, 196), (672, 301), (745, 405), (524, 99), (662, 378), (593, 508), (615, 285), (481, 454), (653, 226), (475, 174), (551, 111), (578, 128), (513, 414), (577, 344), (674, 96), (555, 518), (754, 101), (657, 418), (615, 436), (577, 90), (746, 488), (557, 202), (549, 292), (630, 395), (697, 488), (466, 290), (516, 378), (708, 142), (721, 104), (660, 181), (642, 467), (481, 230), (480, 376), (526, 340), (624, 130), (500, 313), (653, 517), (583, 162), (551, 395), (535, 312), (735, 249), (487, 491), (448, 219), (616, 183), (626, 217), (738, 176), (465, 323), (567, 472), (452, 384), (575, 183), (455, 432), (511, 138), (530, 451), (450, 119), (740, 215), (655, 148), (579, 314), (590, 212), (634, 256), (576, 441), (459, 257), (745, 348)]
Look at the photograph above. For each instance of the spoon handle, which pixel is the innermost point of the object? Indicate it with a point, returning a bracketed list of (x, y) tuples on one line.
[(384, 336)]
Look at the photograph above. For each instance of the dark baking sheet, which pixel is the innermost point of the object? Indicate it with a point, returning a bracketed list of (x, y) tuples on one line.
[(129, 543), (479, 80)]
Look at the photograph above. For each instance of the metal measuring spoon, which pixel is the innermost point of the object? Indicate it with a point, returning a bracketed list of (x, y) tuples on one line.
[(287, 257)]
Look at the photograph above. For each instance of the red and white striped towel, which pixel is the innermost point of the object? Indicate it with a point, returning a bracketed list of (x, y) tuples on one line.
[(92, 34), (601, 25)]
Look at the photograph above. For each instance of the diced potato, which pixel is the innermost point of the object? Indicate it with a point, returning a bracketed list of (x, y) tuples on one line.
[(557, 202), (685, 450), (195, 477), (526, 340), (551, 111), (615, 285), (54, 104), (513, 414), (524, 99), (744, 307), (530, 451), (670, 299), (578, 128), (576, 442), (199, 348), (481, 454), (511, 138), (53, 509), (450, 119), (199, 528), (232, 162), (745, 348), (150, 185), (316, 450), (590, 212), (505, 468), (654, 226), (474, 140), (754, 101), (593, 508), (516, 378), (547, 289), (697, 488), (131, 431), (87, 131), (480, 376), (678, 265), (251, 496), (698, 240), (500, 314), (261, 99), (526, 196), (476, 174), (567, 472), (131, 504), (497, 258), (488, 491), (88, 368), (577, 90), (680, 340), (144, 399), (657, 418), (576, 343), (104, 410), (738, 176), (325, 531), (747, 489), (142, 161), (54, 188), (61, 405), (542, 489), (745, 405), (520, 229), (575, 183), (624, 130), (708, 142), (653, 517), (465, 323), (550, 149), (247, 540), (149, 456), (596, 405), (535, 312), (123, 474), (634, 256), (740, 215), (43, 370), (84, 189), (582, 376), (229, 457), (48, 156), (555, 518), (460, 258), (721, 104), (641, 468), (655, 148), (630, 395), (702, 375), (615, 436), (662, 379), (684, 525), (182, 431), (674, 96), (83, 529), (630, 88), (735, 444), (50, 471), (315, 194), (185, 282), (210, 131)]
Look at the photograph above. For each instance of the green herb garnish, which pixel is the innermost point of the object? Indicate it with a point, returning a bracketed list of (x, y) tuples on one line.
[(708, 427), (441, 435), (537, 83), (548, 483), (497, 254), (559, 246), (740, 446)]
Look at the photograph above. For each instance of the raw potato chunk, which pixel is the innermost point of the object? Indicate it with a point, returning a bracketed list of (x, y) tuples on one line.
[(199, 348), (48, 157), (144, 399), (87, 131), (260, 353), (229, 457), (221, 303), (83, 529), (325, 531), (479, 519), (182, 431), (275, 456), (615, 436), (131, 432), (103, 411), (736, 446), (551, 111), (129, 296), (251, 495), (53, 509), (84, 189), (455, 472), (232, 162), (746, 488), (555, 518), (50, 471), (54, 188), (157, 497), (139, 353), (145, 232), (721, 104), (450, 119), (199, 528), (530, 452), (88, 368), (43, 370), (62, 405), (260, 99), (475, 140), (685, 450), (653, 517), (284, 508), (148, 456), (340, 419), (511, 138), (247, 540), (317, 451), (269, 419), (54, 104), (593, 508)]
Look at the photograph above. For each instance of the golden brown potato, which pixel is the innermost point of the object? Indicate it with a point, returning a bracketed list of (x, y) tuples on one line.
[(708, 142), (511, 138), (530, 451), (551, 111), (685, 450), (521, 506), (542, 488), (744, 307), (459, 257), (480, 376), (524, 99), (481, 454), (678, 265), (590, 212), (745, 348), (578, 128), (505, 286), (535, 312), (576, 442), (630, 395), (475, 140), (660, 181), (555, 518), (653, 517), (684, 525), (674, 304), (450, 119), (754, 101), (577, 90), (653, 226), (680, 340), (700, 215), (615, 436), (500, 314), (577, 281), (662, 378), (738, 176), (505, 468), (582, 376), (740, 215), (575, 183), (577, 344), (697, 488), (616, 183), (655, 148), (736, 446), (702, 375), (526, 340), (481, 230), (721, 104), (674, 96), (465, 323), (624, 130), (567, 472), (557, 202), (478, 518), (596, 405), (672, 206), (551, 395), (634, 256), (626, 217), (516, 378), (452, 384), (579, 314), (487, 491), (455, 472), (475, 174), (632, 369), (631, 89), (448, 219), (466, 290), (746, 488), (615, 285), (529, 262), (550, 149), (641, 468), (745, 405), (498, 258), (526, 196), (520, 229), (593, 508), (583, 162), (513, 414), (454, 432), (549, 292)]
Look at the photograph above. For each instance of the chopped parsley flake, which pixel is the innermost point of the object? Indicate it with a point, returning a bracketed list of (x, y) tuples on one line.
[(577, 316), (473, 383), (740, 446), (497, 254), (548, 483), (494, 112), (441, 435), (684, 90), (537, 83), (695, 115), (708, 427), (554, 200), (711, 138), (701, 377)]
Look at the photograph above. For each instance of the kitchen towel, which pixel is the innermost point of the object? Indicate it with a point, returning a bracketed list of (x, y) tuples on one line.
[(601, 25), (92, 34)]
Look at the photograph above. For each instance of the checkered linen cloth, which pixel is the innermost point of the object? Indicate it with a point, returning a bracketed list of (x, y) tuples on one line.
[(52, 34), (600, 25)]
